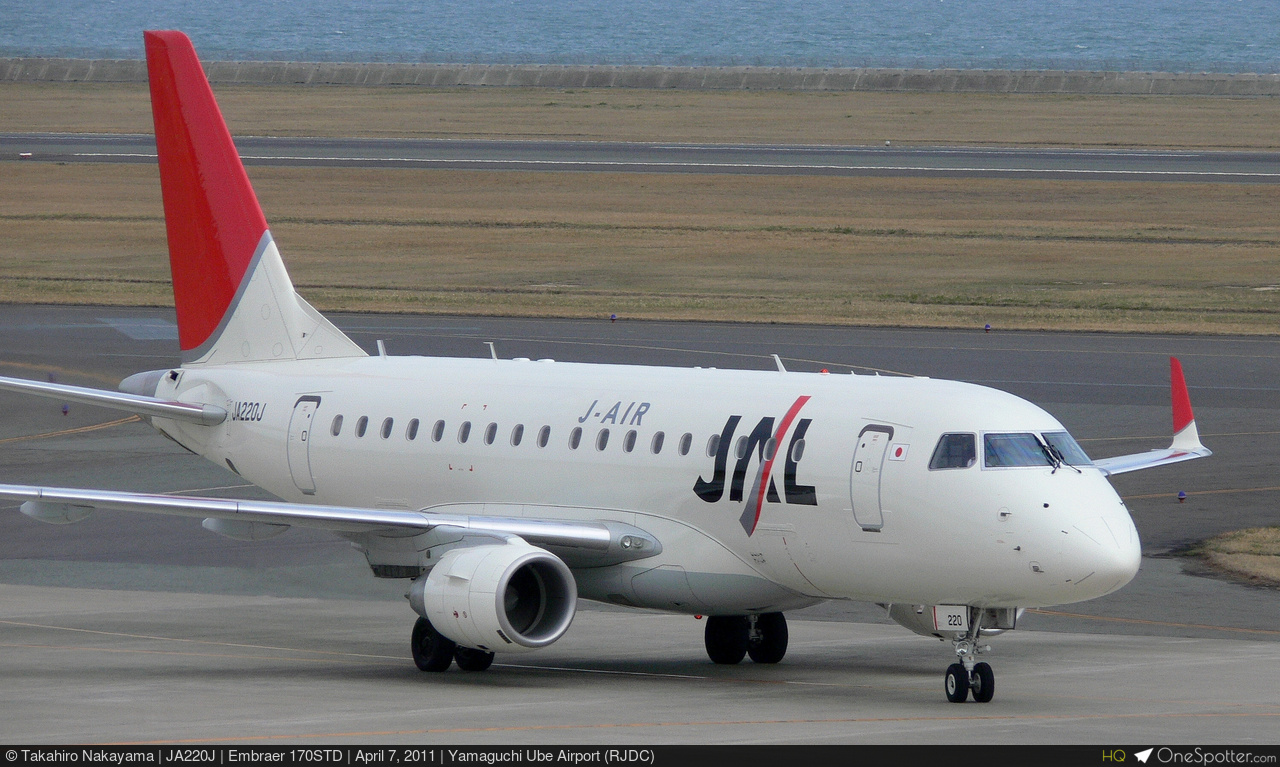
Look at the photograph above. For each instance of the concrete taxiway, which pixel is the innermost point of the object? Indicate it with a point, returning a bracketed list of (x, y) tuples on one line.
[(141, 628)]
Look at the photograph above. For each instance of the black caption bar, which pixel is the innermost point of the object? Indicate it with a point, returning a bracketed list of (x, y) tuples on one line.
[(626, 756)]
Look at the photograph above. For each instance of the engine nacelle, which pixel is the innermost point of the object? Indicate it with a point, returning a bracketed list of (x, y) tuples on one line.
[(510, 597)]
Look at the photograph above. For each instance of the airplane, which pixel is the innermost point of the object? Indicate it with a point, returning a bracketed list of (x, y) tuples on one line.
[(503, 491)]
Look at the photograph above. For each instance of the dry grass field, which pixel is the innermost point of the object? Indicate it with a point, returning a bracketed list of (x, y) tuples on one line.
[(695, 116), (1251, 555), (1023, 253)]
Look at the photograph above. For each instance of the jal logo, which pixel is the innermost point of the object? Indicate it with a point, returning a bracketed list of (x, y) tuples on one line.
[(760, 446)]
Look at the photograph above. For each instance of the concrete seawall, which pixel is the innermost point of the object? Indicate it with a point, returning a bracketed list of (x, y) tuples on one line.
[(662, 77)]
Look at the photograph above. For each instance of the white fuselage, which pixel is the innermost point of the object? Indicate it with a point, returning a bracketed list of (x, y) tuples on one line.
[(854, 513)]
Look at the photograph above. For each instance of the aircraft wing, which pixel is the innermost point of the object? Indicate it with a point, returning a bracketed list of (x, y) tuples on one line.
[(262, 519), (1186, 439)]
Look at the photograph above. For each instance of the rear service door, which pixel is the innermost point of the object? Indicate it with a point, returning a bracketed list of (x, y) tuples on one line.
[(304, 413)]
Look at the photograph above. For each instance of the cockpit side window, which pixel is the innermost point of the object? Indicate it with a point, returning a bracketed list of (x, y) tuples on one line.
[(1070, 450), (954, 451), (1024, 449)]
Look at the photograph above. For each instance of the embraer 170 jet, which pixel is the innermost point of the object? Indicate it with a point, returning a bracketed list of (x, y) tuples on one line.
[(502, 491)]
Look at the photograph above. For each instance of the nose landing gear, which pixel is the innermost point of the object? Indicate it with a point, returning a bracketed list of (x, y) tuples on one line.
[(968, 675)]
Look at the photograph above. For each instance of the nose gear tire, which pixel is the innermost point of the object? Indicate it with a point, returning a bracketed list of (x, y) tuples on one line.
[(956, 683)]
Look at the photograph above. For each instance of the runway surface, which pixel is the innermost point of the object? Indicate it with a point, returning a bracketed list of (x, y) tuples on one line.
[(133, 627), (602, 156)]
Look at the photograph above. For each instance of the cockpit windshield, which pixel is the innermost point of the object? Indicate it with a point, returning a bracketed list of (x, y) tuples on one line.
[(1068, 449), (1024, 449), (1053, 448)]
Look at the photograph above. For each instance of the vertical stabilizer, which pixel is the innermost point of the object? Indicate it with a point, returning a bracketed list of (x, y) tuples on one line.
[(234, 299)]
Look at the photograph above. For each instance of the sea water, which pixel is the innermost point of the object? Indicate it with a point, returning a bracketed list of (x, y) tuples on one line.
[(1167, 35)]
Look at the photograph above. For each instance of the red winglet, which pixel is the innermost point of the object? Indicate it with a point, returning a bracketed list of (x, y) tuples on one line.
[(211, 214), (1182, 415)]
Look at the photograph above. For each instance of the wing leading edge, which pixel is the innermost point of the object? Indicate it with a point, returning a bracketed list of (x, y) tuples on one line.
[(1186, 438)]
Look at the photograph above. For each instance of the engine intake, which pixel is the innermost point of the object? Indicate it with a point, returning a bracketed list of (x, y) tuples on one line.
[(510, 597)]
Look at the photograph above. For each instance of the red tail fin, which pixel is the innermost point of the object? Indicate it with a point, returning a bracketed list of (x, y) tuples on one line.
[(214, 223)]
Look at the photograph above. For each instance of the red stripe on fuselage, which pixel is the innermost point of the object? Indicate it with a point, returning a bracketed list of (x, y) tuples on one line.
[(211, 214), (768, 465)]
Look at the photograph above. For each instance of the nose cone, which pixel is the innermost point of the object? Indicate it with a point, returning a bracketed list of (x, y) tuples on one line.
[(1104, 551), (1115, 562)]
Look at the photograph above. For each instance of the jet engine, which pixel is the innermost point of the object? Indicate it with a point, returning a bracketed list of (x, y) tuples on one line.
[(510, 597)]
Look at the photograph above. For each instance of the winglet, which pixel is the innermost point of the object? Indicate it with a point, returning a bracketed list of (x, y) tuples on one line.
[(1186, 439), (1185, 435)]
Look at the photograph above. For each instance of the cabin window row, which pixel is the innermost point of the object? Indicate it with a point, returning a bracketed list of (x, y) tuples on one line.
[(602, 438)]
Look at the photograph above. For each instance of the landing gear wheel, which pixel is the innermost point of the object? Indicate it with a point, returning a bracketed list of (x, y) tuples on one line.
[(956, 683), (727, 638), (767, 640), (984, 683), (469, 659), (432, 651)]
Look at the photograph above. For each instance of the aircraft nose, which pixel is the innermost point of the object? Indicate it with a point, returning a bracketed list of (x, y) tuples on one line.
[(1111, 553)]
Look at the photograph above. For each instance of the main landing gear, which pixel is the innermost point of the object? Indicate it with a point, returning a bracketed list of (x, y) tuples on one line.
[(730, 638), (968, 675), (433, 651)]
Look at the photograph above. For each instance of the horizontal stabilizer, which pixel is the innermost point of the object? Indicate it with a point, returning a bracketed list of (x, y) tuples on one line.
[(205, 415), (1186, 438)]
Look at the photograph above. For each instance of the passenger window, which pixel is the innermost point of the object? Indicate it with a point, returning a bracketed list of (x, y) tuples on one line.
[(336, 428), (770, 448), (954, 451), (575, 437), (797, 451), (464, 432), (655, 446), (1013, 450), (411, 432), (629, 442), (713, 445), (686, 442), (740, 450), (386, 428), (544, 436), (362, 425), (490, 433), (602, 439), (437, 431), (517, 434)]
